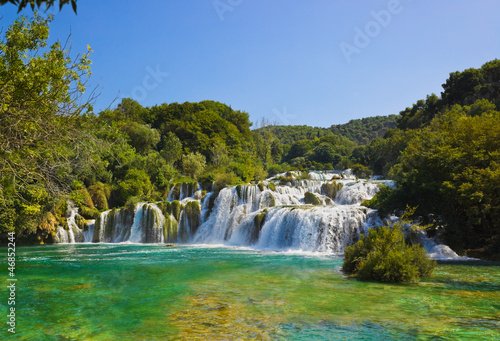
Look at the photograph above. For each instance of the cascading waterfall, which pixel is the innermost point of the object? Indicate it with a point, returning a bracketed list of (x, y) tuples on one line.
[(320, 214), (89, 232), (73, 234)]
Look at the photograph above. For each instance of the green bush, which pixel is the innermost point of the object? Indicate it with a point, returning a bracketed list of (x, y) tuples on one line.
[(383, 255), (275, 169), (244, 171), (361, 171), (131, 203), (222, 180), (193, 164), (135, 184)]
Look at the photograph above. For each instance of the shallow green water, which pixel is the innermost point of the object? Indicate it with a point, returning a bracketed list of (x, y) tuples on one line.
[(150, 292)]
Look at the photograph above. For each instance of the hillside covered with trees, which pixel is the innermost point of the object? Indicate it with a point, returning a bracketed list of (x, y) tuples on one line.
[(443, 151), (363, 131)]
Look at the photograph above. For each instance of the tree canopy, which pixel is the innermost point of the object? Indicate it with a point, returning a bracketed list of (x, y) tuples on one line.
[(37, 4)]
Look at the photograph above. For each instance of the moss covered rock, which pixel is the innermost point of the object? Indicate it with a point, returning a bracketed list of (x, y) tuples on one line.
[(311, 199), (331, 189), (100, 194), (176, 209), (258, 223), (267, 199), (170, 229), (192, 210), (165, 207)]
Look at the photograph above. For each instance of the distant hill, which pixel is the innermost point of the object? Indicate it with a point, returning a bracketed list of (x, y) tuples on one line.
[(363, 131), (290, 134)]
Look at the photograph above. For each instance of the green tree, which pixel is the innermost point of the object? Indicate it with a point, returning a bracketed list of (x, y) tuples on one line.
[(142, 137), (135, 184), (361, 171), (384, 255), (325, 153), (300, 149), (41, 121), (193, 164), (450, 170), (219, 154), (172, 148)]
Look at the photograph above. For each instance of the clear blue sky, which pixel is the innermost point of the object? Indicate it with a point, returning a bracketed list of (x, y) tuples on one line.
[(284, 60)]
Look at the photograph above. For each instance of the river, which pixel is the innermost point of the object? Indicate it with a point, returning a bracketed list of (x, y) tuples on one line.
[(208, 292)]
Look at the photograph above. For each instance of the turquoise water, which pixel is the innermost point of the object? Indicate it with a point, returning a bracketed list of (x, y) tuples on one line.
[(153, 292)]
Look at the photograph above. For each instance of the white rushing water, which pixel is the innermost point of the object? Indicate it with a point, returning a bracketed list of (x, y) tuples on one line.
[(284, 213)]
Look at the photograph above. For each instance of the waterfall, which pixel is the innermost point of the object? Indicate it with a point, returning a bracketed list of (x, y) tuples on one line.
[(136, 229), (280, 219), (356, 192), (304, 216), (73, 233), (153, 224), (319, 214), (61, 236), (89, 232)]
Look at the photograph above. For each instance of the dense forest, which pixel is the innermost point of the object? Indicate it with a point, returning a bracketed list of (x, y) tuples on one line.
[(365, 130), (443, 151)]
